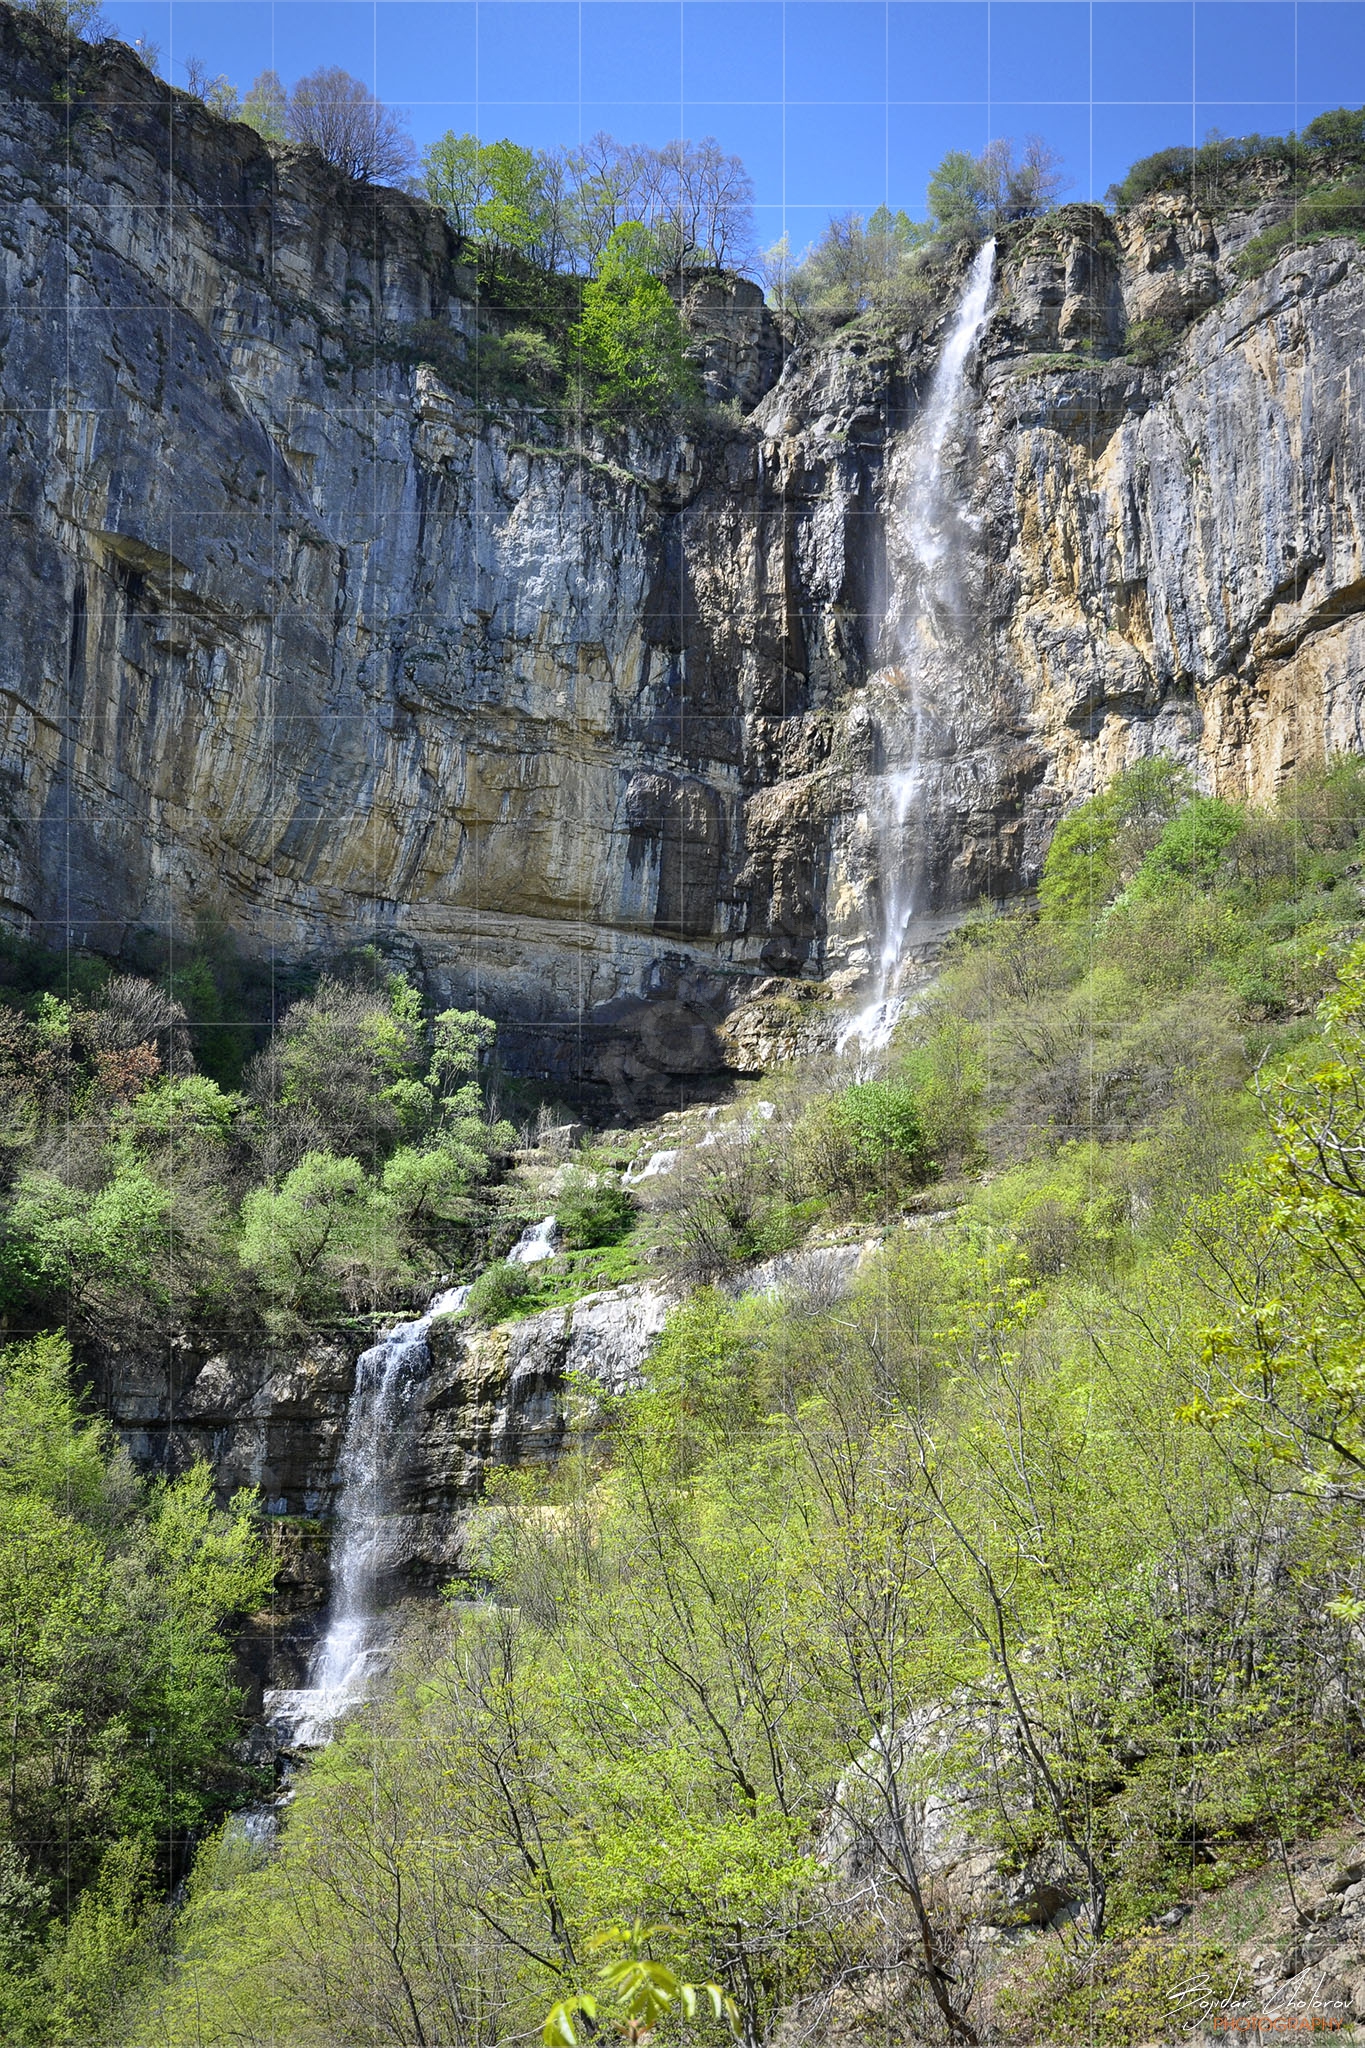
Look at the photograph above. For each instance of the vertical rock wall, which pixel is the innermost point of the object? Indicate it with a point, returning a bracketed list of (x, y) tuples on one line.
[(297, 633)]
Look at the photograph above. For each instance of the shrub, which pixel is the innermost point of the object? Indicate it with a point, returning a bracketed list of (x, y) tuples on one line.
[(1149, 340), (1101, 843), (1124, 1992), (1191, 847), (864, 1147), (500, 1291), (592, 1212), (530, 358), (1330, 210)]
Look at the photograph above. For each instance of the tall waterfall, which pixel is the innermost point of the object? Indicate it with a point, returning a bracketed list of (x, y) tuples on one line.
[(929, 529), (355, 1645)]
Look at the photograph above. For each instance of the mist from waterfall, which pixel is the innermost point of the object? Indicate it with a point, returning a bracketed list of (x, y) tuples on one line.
[(355, 1646), (929, 525)]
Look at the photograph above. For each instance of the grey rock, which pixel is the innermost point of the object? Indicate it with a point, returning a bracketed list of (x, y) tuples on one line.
[(301, 635)]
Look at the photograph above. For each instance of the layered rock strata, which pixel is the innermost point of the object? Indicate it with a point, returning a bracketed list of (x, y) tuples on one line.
[(275, 1420), (300, 633)]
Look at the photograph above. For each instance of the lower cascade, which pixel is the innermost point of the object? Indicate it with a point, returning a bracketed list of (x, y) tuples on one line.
[(355, 1647)]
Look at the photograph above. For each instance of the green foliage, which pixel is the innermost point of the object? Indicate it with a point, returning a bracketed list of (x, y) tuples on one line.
[(326, 1233), (556, 210), (1285, 1362), (499, 1290), (857, 265), (593, 1210), (864, 1147), (266, 107), (1101, 844), (114, 1667), (1147, 1989), (494, 191), (143, 1192), (69, 17), (100, 1962), (1323, 211), (1228, 170), (1148, 341), (637, 1991), (1191, 846), (1341, 130), (892, 265), (955, 197), (629, 346), (951, 1539)]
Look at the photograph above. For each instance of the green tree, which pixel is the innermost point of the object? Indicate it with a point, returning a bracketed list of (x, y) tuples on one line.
[(1102, 843), (1341, 128), (956, 198), (69, 17), (630, 343), (1191, 846), (118, 1705), (495, 193), (1289, 1240), (266, 107), (324, 1236)]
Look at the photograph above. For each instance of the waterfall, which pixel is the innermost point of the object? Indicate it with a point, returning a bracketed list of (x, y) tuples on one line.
[(929, 527), (355, 1646), (538, 1241)]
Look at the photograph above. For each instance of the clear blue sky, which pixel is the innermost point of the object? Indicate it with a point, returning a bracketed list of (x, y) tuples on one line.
[(831, 103)]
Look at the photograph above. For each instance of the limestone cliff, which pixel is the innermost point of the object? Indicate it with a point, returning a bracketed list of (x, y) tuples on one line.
[(297, 633)]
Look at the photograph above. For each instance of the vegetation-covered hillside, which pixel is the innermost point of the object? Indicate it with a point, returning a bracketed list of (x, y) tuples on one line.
[(1021, 1584)]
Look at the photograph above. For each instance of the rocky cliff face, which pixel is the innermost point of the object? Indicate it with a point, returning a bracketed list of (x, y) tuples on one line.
[(275, 1418), (297, 634)]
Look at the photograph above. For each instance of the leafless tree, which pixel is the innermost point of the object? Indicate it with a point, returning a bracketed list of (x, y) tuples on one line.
[(340, 117), (608, 192), (1018, 188), (218, 94), (698, 201)]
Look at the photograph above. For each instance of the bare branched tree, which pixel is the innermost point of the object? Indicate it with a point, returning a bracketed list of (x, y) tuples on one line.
[(339, 116)]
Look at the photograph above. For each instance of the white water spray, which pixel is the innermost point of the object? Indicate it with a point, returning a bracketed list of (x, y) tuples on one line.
[(928, 521), (355, 1648), (538, 1241)]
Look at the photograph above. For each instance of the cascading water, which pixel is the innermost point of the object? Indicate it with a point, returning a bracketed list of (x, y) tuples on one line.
[(929, 526), (355, 1646), (538, 1241)]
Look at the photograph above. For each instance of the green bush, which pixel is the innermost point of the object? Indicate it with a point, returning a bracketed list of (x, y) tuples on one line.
[(592, 1211), (1337, 209), (1147, 341), (118, 1704), (1125, 1992), (500, 1291), (324, 1236), (1191, 846), (863, 1148), (1098, 846)]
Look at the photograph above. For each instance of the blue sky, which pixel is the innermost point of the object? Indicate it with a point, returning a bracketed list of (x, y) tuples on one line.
[(833, 104)]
